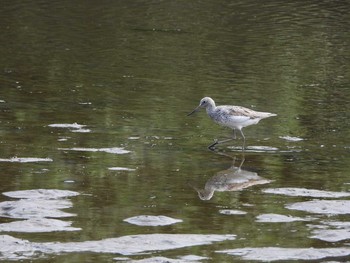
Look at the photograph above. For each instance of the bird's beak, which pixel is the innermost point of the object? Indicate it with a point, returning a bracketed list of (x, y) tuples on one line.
[(196, 109)]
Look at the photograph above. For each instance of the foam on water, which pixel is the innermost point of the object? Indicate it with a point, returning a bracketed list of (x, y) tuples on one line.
[(329, 207), (114, 150), (331, 231), (67, 125), (293, 191), (73, 127), (121, 169), (276, 218), (41, 194), (14, 248), (36, 225), (146, 220), (38, 207), (35, 208), (25, 160), (279, 253), (232, 212), (291, 139), (256, 149)]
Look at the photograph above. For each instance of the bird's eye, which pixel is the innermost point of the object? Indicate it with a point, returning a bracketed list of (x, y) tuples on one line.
[(204, 102)]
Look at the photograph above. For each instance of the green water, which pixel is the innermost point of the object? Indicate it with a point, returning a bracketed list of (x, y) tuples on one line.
[(131, 71)]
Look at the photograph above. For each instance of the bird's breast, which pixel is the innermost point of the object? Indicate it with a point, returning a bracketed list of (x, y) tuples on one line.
[(230, 120)]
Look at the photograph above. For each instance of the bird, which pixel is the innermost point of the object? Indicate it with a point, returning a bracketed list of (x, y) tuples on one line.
[(234, 117)]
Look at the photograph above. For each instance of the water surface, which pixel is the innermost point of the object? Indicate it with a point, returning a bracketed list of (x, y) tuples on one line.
[(93, 101)]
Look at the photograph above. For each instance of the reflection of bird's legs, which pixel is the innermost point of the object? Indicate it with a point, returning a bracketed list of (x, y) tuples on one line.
[(243, 159), (234, 159), (216, 141)]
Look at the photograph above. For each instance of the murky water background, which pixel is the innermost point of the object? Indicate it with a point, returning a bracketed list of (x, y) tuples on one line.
[(99, 162)]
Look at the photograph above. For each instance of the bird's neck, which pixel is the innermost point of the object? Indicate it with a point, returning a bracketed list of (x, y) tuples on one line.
[(210, 108)]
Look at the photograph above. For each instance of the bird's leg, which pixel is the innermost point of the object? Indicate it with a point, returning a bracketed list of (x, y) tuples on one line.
[(216, 141), (243, 139)]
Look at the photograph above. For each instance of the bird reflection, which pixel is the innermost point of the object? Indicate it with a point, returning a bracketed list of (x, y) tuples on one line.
[(232, 179)]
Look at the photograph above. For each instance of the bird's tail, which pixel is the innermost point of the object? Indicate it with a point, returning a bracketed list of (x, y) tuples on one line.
[(267, 114)]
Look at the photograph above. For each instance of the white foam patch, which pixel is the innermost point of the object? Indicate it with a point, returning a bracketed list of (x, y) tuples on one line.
[(266, 149), (262, 148), (74, 127), (332, 235), (277, 253), (114, 150), (37, 203), (38, 225), (255, 148), (193, 258), (329, 207), (14, 248), (135, 244), (25, 160), (121, 169), (291, 139), (147, 220), (290, 191), (31, 208), (67, 125), (158, 260), (63, 139), (276, 218), (41, 194), (184, 259), (82, 130), (331, 231), (232, 212)]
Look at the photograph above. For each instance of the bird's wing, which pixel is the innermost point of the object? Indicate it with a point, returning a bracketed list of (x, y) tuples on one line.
[(245, 113)]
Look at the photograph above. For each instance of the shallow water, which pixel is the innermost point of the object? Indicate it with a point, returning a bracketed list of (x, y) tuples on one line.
[(99, 161)]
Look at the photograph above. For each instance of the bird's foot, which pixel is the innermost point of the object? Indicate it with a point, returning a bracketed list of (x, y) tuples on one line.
[(216, 141), (211, 146)]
